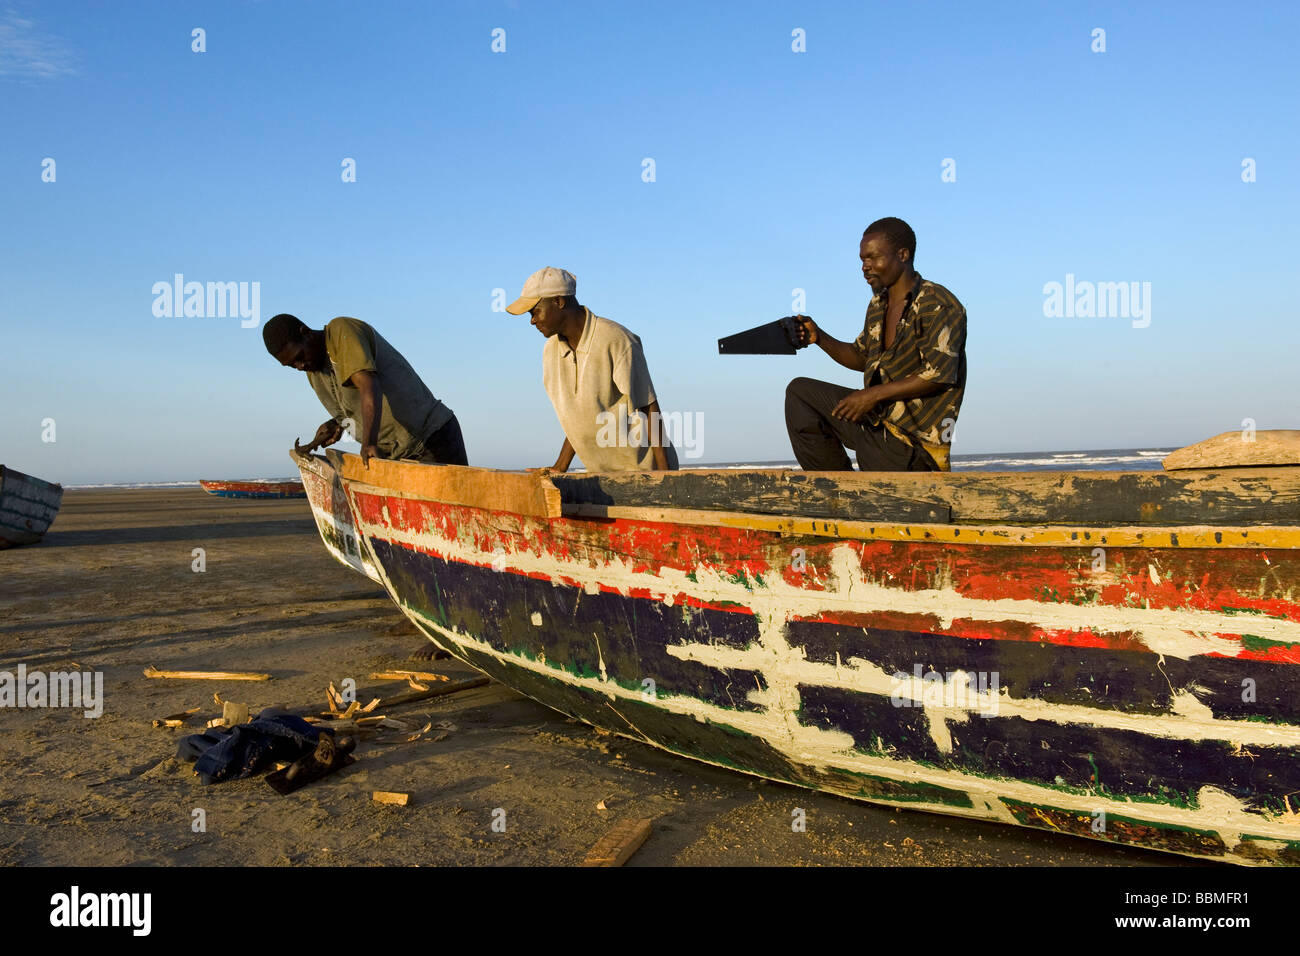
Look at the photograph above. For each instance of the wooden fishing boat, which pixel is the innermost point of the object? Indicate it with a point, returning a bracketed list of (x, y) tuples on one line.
[(1105, 654), (253, 489), (329, 507), (27, 507)]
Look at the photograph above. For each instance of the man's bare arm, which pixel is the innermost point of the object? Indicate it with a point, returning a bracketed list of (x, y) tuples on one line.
[(855, 406), (846, 353), (658, 442), (372, 404), (566, 457)]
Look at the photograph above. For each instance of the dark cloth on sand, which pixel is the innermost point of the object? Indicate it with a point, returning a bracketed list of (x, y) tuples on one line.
[(228, 753)]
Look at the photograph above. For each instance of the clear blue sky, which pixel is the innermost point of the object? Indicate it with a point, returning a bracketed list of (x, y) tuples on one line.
[(475, 168)]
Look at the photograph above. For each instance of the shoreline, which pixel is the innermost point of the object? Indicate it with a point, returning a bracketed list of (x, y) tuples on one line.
[(1105, 459)]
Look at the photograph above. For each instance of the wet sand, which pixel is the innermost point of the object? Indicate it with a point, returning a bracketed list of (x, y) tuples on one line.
[(112, 589)]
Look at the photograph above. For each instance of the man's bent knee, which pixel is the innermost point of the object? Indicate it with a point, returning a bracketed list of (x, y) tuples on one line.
[(798, 388), (798, 384)]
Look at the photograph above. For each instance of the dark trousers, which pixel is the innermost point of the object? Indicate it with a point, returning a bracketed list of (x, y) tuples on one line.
[(446, 446), (819, 440)]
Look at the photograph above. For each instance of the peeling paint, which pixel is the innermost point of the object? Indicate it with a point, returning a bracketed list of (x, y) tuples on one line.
[(746, 573)]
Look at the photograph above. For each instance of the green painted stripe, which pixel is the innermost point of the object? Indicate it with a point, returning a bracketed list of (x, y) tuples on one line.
[(41, 516), (35, 511), (17, 500), (48, 501)]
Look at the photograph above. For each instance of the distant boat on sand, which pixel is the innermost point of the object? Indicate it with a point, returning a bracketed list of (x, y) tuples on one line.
[(255, 488), (27, 507)]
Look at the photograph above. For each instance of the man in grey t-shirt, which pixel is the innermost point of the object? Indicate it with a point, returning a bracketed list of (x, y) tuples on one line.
[(596, 376), (360, 378)]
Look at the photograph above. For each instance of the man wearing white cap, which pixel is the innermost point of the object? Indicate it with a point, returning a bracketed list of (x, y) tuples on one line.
[(596, 376)]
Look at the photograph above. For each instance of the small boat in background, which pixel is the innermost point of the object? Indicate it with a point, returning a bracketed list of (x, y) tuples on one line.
[(253, 489), (27, 507), (329, 506)]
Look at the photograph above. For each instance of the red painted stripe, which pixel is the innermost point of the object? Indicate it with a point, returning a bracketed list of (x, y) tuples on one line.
[(1192, 579)]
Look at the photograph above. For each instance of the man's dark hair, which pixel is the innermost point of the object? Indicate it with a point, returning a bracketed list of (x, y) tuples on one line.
[(899, 233), (280, 330)]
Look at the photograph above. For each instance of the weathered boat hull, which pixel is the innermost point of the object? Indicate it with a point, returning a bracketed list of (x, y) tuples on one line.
[(27, 507), (1136, 685), (253, 489), (333, 516)]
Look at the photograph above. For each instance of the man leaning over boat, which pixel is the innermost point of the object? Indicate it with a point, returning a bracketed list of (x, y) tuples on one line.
[(912, 353), (596, 376), (359, 377)]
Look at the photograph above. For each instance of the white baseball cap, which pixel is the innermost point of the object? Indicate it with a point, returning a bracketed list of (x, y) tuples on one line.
[(542, 283)]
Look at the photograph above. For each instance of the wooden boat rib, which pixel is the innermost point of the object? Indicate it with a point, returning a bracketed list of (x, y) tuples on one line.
[(1108, 655), (329, 508), (253, 489), (27, 507)]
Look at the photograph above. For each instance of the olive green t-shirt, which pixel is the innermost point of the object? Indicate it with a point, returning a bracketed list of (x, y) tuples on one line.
[(410, 413)]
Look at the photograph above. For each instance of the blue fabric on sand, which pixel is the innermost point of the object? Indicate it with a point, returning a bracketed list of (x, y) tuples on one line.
[(228, 753)]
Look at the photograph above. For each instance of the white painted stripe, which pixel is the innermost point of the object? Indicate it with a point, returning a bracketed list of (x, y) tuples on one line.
[(832, 750), (784, 668), (1172, 632), (1190, 719), (318, 488)]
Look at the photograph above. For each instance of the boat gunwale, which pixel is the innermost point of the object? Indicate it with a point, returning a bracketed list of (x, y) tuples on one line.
[(6, 470)]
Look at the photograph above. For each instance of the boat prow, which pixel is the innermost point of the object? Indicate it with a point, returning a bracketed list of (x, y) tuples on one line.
[(329, 508)]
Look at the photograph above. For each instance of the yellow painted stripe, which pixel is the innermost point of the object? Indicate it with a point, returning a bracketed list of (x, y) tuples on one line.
[(1275, 537)]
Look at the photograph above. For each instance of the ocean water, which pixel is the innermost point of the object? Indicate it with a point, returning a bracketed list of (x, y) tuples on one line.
[(1112, 459)]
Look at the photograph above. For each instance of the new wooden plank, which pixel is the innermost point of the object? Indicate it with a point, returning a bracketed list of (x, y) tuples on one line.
[(521, 492), (407, 675), (176, 720), (1238, 449), (617, 846), (1038, 536), (204, 675)]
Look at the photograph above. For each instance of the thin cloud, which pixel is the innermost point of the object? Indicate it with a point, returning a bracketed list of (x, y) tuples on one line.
[(26, 53)]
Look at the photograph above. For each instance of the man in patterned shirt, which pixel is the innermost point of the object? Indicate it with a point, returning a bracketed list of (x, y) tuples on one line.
[(912, 353)]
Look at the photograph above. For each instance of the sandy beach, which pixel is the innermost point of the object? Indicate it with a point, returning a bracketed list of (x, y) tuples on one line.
[(112, 589)]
